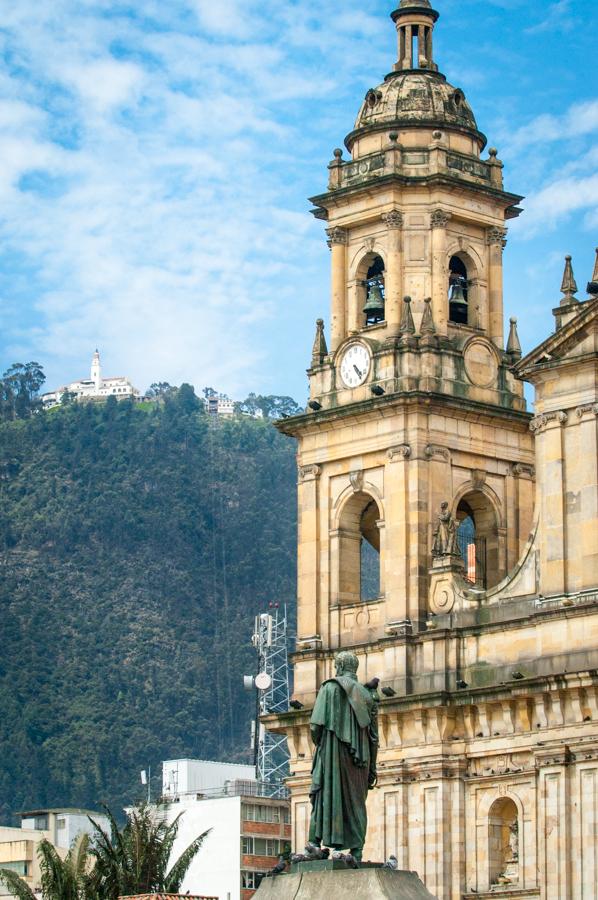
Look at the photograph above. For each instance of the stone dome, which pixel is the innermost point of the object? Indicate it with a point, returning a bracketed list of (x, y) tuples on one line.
[(421, 98)]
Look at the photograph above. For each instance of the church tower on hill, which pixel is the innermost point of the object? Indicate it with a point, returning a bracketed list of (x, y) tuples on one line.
[(445, 535)]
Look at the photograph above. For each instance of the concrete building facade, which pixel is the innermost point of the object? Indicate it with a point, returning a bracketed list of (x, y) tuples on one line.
[(446, 535), (248, 831), (61, 827)]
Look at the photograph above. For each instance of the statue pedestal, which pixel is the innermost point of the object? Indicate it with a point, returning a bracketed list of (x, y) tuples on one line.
[(332, 880)]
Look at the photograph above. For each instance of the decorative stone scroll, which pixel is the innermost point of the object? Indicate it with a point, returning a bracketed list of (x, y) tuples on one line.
[(307, 473), (356, 479), (393, 219), (440, 218), (433, 450), (402, 451), (591, 408), (337, 235), (540, 422), (520, 470)]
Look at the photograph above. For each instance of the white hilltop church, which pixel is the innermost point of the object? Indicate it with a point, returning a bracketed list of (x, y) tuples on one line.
[(93, 388)]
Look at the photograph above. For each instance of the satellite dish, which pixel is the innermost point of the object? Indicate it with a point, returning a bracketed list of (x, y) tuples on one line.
[(263, 681)]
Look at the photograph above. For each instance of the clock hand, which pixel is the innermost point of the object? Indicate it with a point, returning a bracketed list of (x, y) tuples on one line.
[(359, 372)]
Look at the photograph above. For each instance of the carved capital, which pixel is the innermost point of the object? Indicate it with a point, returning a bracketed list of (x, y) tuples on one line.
[(393, 219), (440, 218), (496, 236), (402, 451), (589, 408), (309, 473), (356, 479), (520, 470), (540, 422), (433, 450), (337, 235), (562, 417)]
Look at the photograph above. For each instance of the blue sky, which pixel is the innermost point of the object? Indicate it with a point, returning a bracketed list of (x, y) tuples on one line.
[(156, 159)]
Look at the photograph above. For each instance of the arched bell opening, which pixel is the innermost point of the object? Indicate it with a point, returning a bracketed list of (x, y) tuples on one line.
[(359, 557), (478, 539), (503, 842), (459, 311), (372, 294)]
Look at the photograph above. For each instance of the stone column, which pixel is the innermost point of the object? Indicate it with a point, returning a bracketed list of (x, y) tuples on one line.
[(438, 222), (308, 570), (337, 241), (496, 242), (393, 273), (551, 491)]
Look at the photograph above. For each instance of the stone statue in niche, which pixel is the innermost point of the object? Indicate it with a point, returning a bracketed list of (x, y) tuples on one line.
[(514, 841), (445, 534)]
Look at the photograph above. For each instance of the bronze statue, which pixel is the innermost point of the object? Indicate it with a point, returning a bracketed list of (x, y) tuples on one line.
[(445, 534), (344, 729)]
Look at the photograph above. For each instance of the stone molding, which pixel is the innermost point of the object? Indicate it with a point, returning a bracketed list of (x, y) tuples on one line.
[(440, 218), (337, 235), (309, 473), (401, 451), (393, 219)]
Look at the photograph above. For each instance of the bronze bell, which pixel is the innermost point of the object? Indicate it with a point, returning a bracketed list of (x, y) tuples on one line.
[(374, 305), (457, 294)]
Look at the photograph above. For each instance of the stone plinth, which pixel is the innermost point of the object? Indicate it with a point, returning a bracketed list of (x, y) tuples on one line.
[(326, 881)]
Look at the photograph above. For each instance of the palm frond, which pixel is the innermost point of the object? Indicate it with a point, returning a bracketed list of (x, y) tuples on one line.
[(16, 885), (178, 871)]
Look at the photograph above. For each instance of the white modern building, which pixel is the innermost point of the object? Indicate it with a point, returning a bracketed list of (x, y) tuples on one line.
[(96, 387), (248, 832), (219, 405), (61, 827)]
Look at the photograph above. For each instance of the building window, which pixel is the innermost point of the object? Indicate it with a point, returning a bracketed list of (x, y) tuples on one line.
[(60, 824), (374, 292), (40, 823), (359, 558), (261, 813), (478, 539), (458, 292), (21, 867), (256, 846), (250, 881)]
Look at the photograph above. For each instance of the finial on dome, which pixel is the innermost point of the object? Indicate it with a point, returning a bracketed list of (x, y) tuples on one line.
[(569, 285), (414, 20), (427, 326), (407, 325)]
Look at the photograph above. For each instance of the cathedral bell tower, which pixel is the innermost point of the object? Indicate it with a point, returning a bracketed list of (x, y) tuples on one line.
[(413, 402)]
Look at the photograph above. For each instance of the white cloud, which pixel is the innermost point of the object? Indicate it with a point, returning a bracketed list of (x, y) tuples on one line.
[(558, 17)]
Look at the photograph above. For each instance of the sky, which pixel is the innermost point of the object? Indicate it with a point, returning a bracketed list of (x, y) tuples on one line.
[(156, 160)]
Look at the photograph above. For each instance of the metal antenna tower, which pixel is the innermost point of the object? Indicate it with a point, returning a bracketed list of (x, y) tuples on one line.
[(272, 682)]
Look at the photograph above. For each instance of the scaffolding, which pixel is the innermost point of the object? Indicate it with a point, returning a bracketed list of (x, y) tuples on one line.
[(271, 755)]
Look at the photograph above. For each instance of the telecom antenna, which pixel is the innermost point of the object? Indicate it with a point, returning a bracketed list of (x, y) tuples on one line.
[(271, 755)]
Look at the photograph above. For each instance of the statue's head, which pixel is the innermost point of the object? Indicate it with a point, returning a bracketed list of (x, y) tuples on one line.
[(346, 663)]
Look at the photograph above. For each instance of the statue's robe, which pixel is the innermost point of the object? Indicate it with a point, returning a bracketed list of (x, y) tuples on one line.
[(344, 729)]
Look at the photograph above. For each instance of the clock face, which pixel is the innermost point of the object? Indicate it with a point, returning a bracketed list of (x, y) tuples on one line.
[(355, 365)]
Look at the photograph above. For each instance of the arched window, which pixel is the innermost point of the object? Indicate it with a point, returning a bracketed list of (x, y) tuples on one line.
[(458, 291), (478, 540), (373, 309), (503, 842), (359, 569)]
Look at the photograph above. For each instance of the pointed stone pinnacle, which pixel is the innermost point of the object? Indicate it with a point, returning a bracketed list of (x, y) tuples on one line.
[(427, 323), (569, 286), (514, 345), (593, 284), (320, 349), (407, 325)]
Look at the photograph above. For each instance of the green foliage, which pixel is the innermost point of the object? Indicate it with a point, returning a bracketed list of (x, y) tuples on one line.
[(271, 407), (19, 389), (136, 546), (62, 879), (135, 860)]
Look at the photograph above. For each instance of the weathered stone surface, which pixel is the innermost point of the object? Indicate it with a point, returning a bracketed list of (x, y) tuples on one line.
[(360, 884)]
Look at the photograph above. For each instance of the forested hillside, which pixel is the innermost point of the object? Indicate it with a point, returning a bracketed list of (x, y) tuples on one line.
[(137, 542)]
